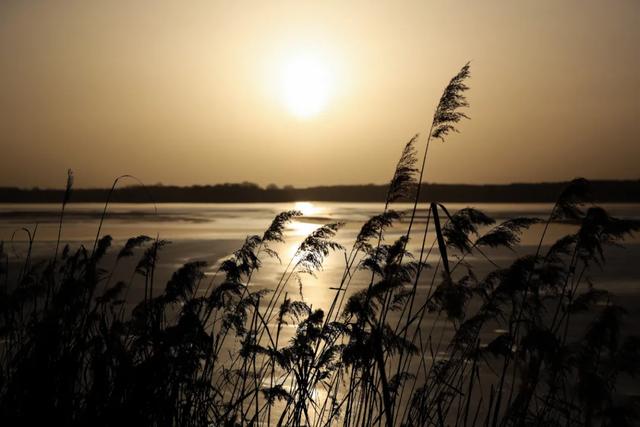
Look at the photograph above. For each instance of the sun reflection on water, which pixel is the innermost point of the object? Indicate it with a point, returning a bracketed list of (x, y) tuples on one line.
[(307, 208), (297, 230), (301, 228)]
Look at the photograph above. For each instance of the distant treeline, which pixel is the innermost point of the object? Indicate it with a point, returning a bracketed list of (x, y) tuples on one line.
[(603, 191)]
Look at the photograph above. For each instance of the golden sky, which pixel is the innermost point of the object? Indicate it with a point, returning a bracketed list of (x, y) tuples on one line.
[(198, 92)]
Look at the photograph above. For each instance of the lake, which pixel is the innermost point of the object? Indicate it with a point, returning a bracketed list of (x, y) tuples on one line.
[(210, 232)]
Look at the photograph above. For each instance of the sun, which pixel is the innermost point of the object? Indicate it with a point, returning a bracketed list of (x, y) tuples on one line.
[(307, 82)]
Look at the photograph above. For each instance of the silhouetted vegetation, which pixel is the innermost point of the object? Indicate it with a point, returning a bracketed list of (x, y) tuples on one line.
[(415, 346), (603, 192)]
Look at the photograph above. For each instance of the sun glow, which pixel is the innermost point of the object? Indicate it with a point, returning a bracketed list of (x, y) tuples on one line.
[(307, 83)]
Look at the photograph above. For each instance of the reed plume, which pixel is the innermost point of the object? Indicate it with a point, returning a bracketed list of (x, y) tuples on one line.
[(453, 98)]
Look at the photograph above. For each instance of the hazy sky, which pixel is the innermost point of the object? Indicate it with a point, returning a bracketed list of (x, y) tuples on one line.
[(187, 92)]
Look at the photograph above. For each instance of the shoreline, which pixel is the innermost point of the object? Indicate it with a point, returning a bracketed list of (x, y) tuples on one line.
[(603, 191)]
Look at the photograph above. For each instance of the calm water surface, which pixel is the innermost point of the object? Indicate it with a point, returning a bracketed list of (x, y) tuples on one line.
[(210, 232)]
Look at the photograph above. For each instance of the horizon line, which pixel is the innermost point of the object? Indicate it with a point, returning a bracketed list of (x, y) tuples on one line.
[(277, 187)]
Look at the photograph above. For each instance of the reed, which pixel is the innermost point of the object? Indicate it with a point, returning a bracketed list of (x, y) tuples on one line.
[(415, 344)]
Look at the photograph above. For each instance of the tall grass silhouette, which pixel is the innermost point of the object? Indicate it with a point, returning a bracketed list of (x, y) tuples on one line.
[(416, 345)]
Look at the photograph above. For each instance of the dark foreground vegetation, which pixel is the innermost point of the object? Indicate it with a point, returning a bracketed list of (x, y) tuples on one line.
[(602, 191), (408, 348)]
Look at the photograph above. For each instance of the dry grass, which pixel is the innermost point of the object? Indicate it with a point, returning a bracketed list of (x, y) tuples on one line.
[(208, 350)]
